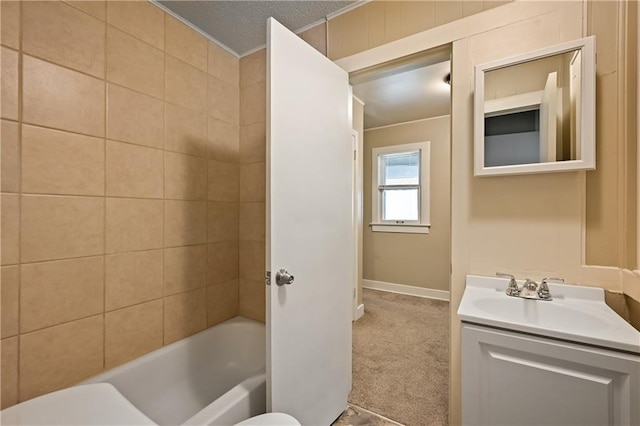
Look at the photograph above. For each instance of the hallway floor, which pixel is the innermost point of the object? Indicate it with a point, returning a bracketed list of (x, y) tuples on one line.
[(401, 359)]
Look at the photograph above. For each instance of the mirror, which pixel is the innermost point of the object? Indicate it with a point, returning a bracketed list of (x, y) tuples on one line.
[(535, 113)]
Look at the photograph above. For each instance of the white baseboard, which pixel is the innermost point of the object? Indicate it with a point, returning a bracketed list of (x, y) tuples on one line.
[(359, 312), (406, 289)]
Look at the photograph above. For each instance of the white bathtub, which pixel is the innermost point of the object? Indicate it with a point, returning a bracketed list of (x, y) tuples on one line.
[(215, 377)]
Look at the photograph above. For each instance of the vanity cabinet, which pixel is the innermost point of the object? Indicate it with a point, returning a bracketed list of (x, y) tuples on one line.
[(511, 378)]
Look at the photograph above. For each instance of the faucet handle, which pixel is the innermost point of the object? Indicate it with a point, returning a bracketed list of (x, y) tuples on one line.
[(543, 290), (512, 288)]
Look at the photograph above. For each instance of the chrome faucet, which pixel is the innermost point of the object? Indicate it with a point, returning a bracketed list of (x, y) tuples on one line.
[(512, 288), (543, 289), (530, 289)]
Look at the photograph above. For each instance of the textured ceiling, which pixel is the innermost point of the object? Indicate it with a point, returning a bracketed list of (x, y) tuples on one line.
[(242, 25), (406, 96)]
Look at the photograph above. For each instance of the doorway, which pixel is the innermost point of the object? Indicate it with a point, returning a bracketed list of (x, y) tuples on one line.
[(405, 269)]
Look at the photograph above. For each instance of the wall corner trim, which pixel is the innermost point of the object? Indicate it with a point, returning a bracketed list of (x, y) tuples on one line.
[(428, 293)]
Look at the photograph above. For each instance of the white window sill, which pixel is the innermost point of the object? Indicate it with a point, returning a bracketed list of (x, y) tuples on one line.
[(400, 228)]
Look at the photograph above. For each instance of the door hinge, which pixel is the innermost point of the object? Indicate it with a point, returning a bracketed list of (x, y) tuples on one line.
[(267, 278), (355, 155)]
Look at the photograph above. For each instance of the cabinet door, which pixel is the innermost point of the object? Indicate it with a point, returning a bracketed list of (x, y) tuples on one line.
[(514, 379)]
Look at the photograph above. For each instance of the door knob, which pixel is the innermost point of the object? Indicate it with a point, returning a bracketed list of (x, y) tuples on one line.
[(283, 277)]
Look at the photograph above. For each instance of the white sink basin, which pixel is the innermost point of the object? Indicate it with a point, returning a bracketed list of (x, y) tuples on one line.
[(578, 314)]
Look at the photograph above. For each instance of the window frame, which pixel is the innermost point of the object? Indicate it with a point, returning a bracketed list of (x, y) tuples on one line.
[(420, 226)]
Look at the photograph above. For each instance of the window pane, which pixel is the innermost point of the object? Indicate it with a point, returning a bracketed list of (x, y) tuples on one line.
[(400, 204), (401, 169)]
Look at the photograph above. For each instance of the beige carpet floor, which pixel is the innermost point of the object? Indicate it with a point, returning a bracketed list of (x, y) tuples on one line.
[(401, 358)]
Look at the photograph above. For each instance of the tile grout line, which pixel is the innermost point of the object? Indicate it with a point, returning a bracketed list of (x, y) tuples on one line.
[(164, 143), (104, 223), (20, 120)]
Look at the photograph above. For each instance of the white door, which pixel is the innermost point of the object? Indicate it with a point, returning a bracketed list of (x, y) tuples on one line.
[(310, 230)]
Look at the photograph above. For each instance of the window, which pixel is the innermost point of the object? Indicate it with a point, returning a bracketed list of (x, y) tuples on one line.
[(400, 188)]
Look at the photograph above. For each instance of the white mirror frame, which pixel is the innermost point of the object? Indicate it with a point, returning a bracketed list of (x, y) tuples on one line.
[(587, 121)]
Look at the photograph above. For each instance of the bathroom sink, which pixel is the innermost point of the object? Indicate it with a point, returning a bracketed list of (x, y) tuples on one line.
[(577, 314), (545, 313)]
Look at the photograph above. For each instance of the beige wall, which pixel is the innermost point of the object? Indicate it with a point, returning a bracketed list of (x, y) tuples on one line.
[(419, 260), (120, 189), (379, 22), (533, 225), (358, 126)]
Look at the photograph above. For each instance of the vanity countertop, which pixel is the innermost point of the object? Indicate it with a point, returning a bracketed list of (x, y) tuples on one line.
[(576, 313)]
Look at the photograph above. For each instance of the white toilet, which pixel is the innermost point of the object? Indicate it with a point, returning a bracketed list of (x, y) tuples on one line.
[(270, 419), (99, 404)]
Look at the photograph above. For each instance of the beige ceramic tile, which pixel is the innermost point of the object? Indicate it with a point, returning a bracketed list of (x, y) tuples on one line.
[(185, 44), (222, 262), (57, 97), (9, 103), (52, 293), (9, 298), (9, 156), (132, 332), (184, 315), (223, 101), (223, 221), (252, 260), (447, 11), (133, 224), (252, 221), (185, 177), (317, 37), (222, 302), (95, 8), (252, 182), (223, 181), (55, 162), (253, 143), (134, 117), (417, 16), (61, 227), (9, 370), (60, 356), (185, 85), (185, 223), (185, 268), (224, 141), (252, 300), (9, 229), (223, 65), (185, 131), (62, 34), (10, 24), (134, 171), (141, 19), (134, 64), (253, 104), (253, 68), (132, 278)]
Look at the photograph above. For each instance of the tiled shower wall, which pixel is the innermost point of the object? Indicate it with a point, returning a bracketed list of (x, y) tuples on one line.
[(123, 183)]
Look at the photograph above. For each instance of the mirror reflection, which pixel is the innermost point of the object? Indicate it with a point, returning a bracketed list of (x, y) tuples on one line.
[(532, 111)]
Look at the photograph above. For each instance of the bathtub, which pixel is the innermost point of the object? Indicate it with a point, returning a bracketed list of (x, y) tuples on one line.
[(215, 377)]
